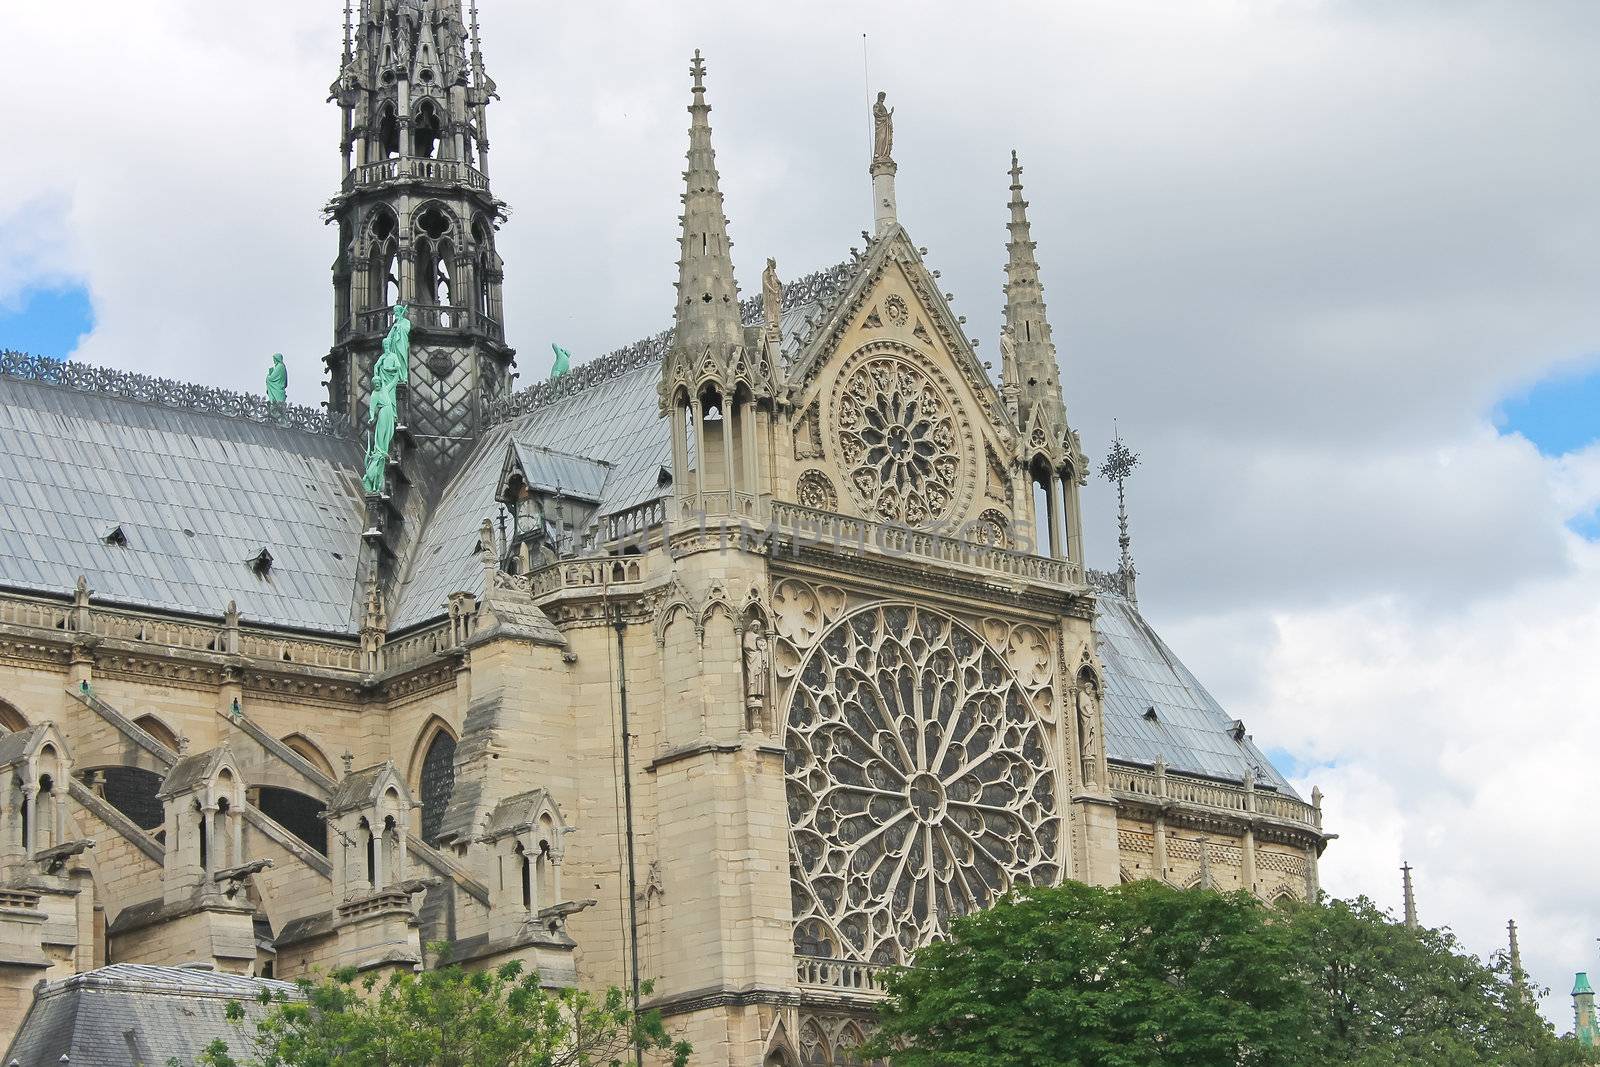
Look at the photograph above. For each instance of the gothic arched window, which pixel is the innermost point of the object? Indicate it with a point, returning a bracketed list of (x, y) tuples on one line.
[(436, 780), (425, 130)]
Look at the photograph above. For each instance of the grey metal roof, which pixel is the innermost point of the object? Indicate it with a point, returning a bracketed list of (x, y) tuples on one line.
[(613, 418), (1189, 729), (560, 473), (196, 495), (132, 1014)]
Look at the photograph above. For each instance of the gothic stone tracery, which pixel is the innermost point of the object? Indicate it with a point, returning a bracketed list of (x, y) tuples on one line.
[(920, 785)]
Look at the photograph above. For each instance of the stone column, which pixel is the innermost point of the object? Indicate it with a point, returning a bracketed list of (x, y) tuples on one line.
[(883, 205), (699, 448), (1052, 498), (727, 448)]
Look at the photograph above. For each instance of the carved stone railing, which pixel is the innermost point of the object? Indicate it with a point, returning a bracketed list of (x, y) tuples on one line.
[(808, 525), (634, 521), (340, 656), (1241, 798), (443, 171), (133, 626), (448, 318), (418, 647), (843, 976), (35, 614), (128, 385), (588, 575)]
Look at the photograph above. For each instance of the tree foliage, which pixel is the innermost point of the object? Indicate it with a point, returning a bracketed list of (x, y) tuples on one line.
[(449, 1017), (1144, 974)]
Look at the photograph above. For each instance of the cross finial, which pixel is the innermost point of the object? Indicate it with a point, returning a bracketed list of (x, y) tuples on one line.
[(1120, 462), (698, 68)]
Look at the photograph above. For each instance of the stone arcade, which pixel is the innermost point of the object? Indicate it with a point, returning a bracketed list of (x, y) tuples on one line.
[(729, 652)]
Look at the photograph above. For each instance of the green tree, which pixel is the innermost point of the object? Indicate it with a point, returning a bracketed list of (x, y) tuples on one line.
[(449, 1017), (1075, 976), (1386, 995), (1144, 974)]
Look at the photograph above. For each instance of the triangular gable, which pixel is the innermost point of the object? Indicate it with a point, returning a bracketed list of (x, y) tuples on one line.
[(932, 321)]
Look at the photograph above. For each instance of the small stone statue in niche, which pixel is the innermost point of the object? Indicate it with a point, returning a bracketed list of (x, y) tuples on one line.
[(757, 674), (1089, 732)]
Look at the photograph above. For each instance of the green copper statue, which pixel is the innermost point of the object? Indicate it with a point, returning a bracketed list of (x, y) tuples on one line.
[(387, 374), (278, 381), (562, 364)]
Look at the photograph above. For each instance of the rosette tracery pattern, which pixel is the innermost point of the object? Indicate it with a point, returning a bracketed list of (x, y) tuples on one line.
[(919, 785), (897, 437)]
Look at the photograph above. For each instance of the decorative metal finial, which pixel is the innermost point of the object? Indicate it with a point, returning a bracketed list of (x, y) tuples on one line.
[(1120, 462), (697, 67)]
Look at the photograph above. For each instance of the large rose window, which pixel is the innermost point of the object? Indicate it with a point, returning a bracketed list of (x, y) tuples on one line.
[(919, 785), (897, 437)]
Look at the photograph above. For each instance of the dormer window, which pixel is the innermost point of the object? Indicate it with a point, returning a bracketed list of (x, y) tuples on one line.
[(115, 536), (261, 563)]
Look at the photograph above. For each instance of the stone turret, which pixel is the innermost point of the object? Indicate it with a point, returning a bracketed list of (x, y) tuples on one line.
[(417, 224), (202, 915), (718, 380), (1031, 385), (1584, 1025), (369, 820)]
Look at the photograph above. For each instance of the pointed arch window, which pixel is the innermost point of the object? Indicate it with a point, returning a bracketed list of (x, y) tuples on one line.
[(425, 130), (435, 777)]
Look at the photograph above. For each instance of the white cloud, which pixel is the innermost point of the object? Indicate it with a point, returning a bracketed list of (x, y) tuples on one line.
[(1300, 249)]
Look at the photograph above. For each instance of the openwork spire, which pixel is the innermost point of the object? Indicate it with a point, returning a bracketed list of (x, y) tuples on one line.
[(1031, 378), (1120, 462), (708, 298)]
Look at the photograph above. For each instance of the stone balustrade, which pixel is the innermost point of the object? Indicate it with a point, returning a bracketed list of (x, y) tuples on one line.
[(440, 171), (843, 976), (824, 528), (1241, 798)]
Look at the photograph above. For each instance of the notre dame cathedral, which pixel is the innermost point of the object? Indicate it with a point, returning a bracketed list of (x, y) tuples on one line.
[(743, 658)]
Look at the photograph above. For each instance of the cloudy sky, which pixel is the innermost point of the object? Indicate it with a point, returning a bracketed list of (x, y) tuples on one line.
[(1333, 267)]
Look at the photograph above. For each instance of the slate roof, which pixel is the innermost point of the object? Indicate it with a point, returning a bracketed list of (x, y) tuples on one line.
[(131, 1014), (1189, 729), (196, 495), (613, 420)]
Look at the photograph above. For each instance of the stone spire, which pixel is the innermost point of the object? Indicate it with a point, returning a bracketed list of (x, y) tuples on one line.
[(1410, 897), (708, 298), (1035, 378), (417, 225), (709, 347)]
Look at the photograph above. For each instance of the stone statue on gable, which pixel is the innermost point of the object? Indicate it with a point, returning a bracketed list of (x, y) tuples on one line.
[(882, 130)]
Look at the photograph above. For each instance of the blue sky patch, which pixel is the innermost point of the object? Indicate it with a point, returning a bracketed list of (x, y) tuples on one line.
[(46, 322), (1292, 766), (1586, 526), (1560, 414)]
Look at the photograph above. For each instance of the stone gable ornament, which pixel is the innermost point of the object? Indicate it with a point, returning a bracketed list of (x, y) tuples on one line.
[(771, 294), (882, 130), (277, 381)]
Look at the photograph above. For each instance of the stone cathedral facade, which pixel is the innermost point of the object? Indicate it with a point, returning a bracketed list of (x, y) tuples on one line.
[(729, 659)]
